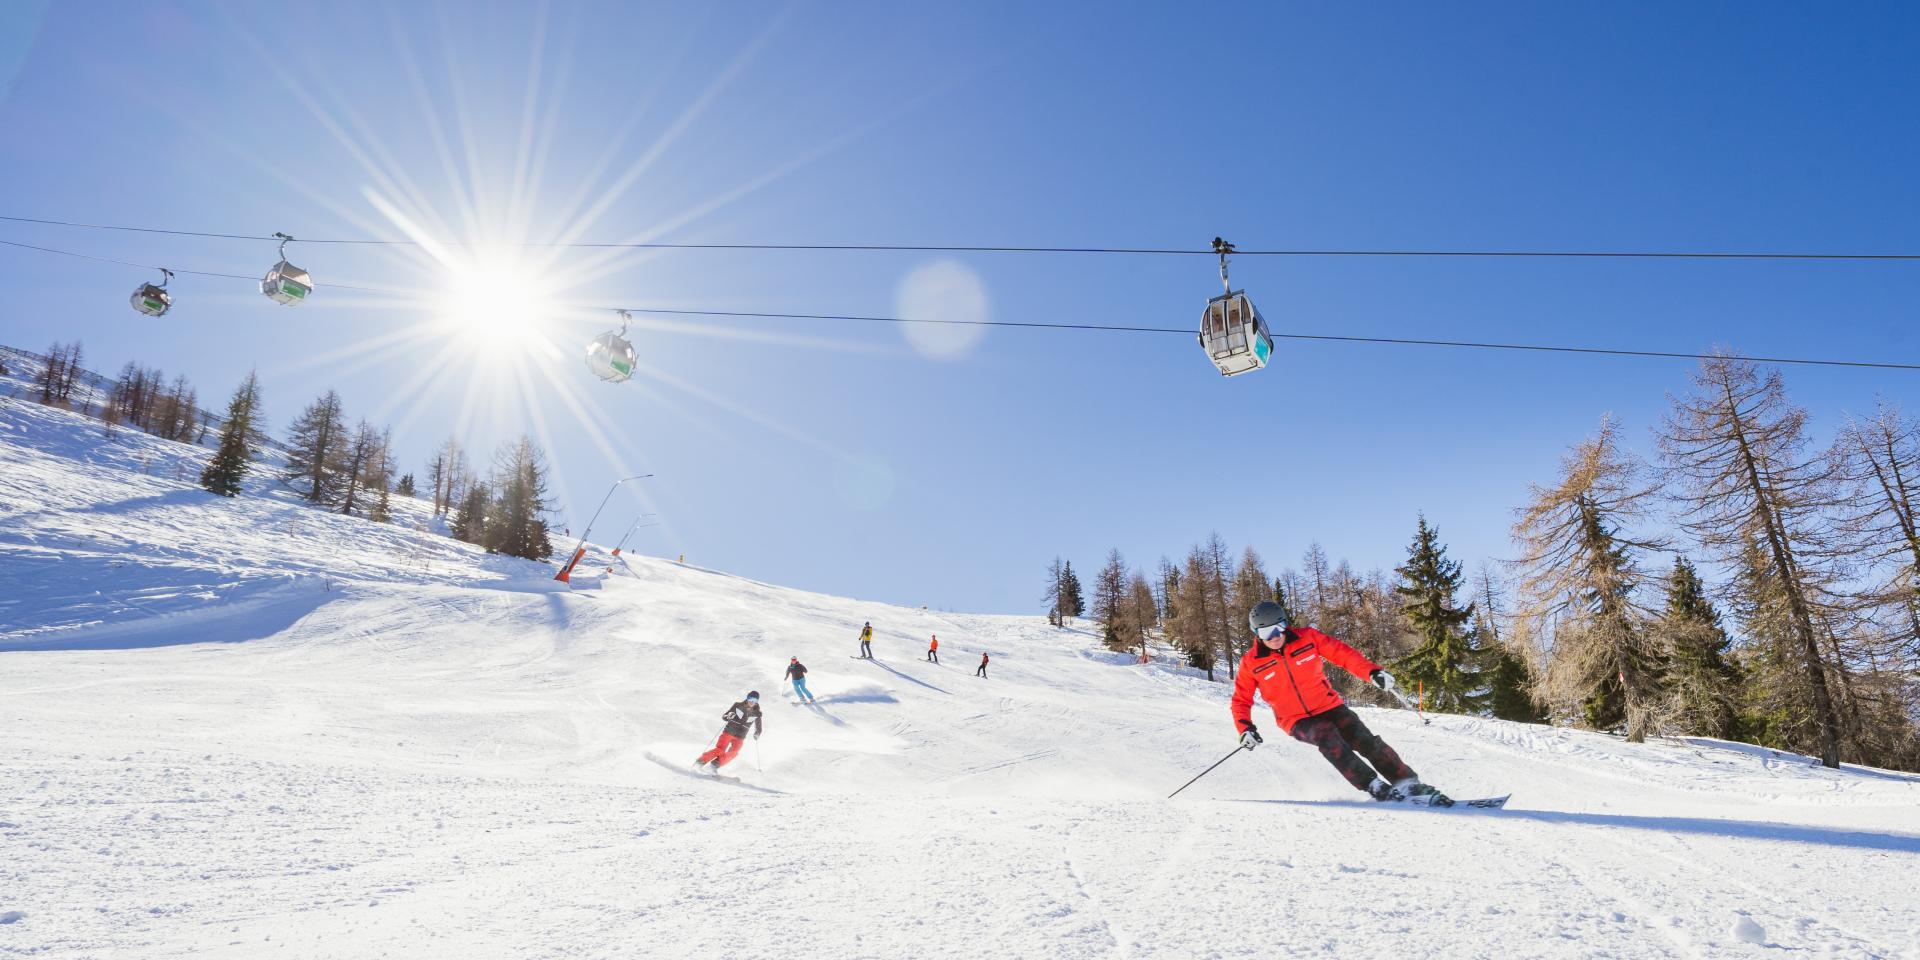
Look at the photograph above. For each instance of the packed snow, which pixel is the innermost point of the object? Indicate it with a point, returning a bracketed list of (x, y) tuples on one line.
[(250, 728)]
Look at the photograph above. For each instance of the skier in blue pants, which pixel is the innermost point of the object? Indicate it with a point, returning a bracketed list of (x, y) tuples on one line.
[(797, 672)]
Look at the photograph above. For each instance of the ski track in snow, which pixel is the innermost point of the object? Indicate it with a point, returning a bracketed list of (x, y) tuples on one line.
[(247, 728)]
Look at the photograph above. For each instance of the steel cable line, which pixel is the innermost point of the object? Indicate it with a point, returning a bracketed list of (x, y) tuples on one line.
[(948, 248), (125, 263), (1403, 341), (1114, 328)]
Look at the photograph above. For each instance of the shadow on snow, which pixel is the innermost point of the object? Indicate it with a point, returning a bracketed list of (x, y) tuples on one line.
[(1706, 826)]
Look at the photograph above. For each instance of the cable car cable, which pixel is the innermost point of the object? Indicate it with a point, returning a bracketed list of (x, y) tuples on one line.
[(1403, 341), (949, 248), (125, 263), (1114, 328)]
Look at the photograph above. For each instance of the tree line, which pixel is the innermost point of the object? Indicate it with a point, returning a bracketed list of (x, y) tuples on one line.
[(141, 396), (1809, 641), (329, 463)]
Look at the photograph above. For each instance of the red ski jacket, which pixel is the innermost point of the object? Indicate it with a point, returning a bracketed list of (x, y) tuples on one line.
[(1294, 681)]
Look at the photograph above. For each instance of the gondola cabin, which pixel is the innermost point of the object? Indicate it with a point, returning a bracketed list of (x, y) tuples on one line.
[(611, 358), (1234, 334), (152, 300), (286, 284)]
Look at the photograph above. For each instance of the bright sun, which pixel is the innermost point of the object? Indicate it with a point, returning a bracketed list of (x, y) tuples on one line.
[(498, 307)]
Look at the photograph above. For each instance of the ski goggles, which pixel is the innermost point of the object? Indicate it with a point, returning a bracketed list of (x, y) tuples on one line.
[(1270, 633)]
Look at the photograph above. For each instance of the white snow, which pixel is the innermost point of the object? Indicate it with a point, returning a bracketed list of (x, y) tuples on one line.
[(246, 728)]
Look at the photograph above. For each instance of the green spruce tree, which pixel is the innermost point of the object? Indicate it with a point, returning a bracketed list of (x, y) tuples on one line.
[(515, 524), (1445, 663), (1509, 680), (1704, 685), (469, 523), (1072, 602), (234, 458)]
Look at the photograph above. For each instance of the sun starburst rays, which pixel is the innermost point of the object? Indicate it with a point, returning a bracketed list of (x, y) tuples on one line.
[(488, 314)]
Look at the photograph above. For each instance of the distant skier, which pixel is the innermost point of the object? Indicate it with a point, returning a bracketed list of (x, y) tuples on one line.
[(866, 642), (728, 746), (1285, 665), (933, 651), (982, 672), (797, 672)]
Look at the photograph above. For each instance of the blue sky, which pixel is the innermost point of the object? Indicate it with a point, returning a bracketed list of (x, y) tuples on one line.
[(841, 456)]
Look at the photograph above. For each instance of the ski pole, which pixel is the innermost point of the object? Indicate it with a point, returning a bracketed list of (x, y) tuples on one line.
[(1208, 770), (1410, 706), (756, 757)]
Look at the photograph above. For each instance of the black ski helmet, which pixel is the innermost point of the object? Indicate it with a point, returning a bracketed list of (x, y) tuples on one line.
[(753, 694), (1266, 613)]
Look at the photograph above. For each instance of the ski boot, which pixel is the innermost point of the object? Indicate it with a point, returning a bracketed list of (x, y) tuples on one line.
[(1382, 791), (1412, 789)]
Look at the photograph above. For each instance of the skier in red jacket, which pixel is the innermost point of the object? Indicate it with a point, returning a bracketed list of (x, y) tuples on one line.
[(1285, 664)]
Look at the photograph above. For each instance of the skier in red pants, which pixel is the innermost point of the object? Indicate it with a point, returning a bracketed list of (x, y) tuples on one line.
[(728, 746), (1287, 666)]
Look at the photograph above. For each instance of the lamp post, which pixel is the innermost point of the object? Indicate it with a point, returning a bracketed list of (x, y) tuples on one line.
[(580, 549)]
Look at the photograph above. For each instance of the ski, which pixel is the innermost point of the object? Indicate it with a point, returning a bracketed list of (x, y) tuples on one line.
[(1442, 801)]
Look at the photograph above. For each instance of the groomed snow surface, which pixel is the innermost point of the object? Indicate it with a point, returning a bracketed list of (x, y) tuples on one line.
[(246, 728)]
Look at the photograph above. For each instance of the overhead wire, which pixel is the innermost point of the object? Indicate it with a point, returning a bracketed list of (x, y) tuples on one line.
[(1119, 328), (1403, 341), (959, 248)]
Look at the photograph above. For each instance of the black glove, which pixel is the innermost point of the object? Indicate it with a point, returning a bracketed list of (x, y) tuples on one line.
[(1381, 679), (1250, 736)]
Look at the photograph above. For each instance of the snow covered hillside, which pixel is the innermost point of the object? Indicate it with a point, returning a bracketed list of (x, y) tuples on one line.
[(246, 728)]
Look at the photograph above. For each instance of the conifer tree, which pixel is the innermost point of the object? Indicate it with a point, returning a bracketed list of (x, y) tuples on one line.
[(1230, 637), (1737, 443), (1509, 680), (1143, 611), (1056, 593), (1704, 686), (59, 373), (516, 523), (234, 457), (1445, 662), (363, 452), (1580, 586), (1168, 588), (376, 476), (1314, 598), (1194, 630), (1072, 602), (1110, 602), (449, 471), (316, 448), (1879, 462), (405, 486), (469, 522), (1250, 586)]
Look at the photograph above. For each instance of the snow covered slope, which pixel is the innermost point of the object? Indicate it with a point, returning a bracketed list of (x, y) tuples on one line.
[(246, 728)]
